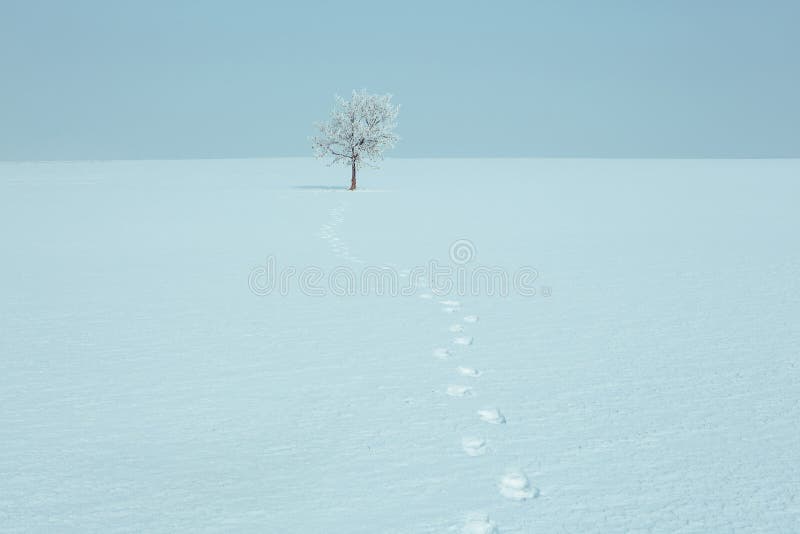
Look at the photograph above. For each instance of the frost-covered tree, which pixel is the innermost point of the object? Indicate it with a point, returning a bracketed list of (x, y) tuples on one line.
[(358, 131)]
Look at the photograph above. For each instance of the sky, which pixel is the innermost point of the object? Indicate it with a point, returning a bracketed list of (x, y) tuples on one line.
[(248, 78)]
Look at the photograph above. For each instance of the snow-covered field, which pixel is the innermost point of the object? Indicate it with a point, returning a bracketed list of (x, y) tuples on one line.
[(651, 384)]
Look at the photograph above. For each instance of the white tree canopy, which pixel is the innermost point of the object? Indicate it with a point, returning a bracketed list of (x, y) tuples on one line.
[(358, 131)]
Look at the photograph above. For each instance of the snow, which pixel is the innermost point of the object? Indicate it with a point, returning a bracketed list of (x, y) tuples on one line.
[(469, 371), (459, 390), (474, 446), (650, 384), (517, 487), (492, 415)]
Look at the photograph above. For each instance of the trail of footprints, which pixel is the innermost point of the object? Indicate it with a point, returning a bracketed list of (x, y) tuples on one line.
[(513, 485), (328, 232)]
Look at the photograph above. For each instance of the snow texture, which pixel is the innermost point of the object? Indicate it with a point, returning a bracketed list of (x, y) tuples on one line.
[(650, 384)]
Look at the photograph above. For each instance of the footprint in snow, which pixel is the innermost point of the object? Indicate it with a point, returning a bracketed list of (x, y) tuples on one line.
[(468, 371), (459, 391), (450, 303), (426, 296), (449, 310), (441, 353), (471, 319), (516, 486), (465, 341), (479, 524), (492, 416), (456, 328), (474, 446)]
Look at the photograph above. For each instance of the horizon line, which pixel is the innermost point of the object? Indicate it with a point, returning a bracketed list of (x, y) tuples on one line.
[(245, 158)]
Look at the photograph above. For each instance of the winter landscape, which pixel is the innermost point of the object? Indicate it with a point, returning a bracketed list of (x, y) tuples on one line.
[(359, 267), (644, 378)]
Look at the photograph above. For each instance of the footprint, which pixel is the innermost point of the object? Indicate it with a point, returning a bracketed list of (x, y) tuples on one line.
[(474, 446), (426, 296), (516, 486), (450, 303), (469, 371), (478, 523), (465, 341), (471, 319), (449, 310), (456, 328), (492, 416), (441, 353), (459, 391)]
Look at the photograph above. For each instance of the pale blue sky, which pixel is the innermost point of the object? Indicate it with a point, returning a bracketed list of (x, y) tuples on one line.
[(626, 78)]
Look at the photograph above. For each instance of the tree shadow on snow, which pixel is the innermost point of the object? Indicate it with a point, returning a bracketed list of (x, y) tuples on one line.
[(320, 187)]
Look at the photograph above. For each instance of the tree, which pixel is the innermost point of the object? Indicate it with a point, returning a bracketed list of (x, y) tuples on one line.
[(358, 131)]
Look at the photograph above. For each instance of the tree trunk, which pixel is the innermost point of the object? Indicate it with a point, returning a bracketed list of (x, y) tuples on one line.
[(353, 178)]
